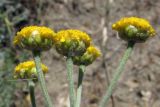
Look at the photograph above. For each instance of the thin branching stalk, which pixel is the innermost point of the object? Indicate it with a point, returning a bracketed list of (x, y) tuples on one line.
[(8, 25), (79, 88), (107, 17), (31, 91), (41, 79), (71, 81), (117, 74)]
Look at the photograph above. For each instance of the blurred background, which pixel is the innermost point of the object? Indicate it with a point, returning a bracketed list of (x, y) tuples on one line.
[(139, 85)]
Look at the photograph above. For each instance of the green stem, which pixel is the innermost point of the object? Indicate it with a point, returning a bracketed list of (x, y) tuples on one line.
[(79, 88), (31, 90), (8, 24), (41, 79), (117, 74), (71, 81)]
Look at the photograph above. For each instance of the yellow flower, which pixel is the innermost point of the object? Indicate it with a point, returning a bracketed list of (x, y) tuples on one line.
[(27, 70), (134, 29), (71, 42), (88, 57), (34, 38)]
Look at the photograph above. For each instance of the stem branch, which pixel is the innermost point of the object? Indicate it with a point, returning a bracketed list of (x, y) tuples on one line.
[(79, 88)]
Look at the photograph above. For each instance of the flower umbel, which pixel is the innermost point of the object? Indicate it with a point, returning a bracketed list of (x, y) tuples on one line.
[(88, 57), (71, 42), (34, 38), (134, 29), (27, 70)]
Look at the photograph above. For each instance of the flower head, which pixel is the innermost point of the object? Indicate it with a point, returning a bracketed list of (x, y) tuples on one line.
[(88, 57), (34, 38), (71, 42), (134, 29), (27, 70)]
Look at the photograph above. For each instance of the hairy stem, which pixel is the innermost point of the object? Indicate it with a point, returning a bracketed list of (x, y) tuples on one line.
[(31, 90), (71, 81), (41, 79), (117, 74)]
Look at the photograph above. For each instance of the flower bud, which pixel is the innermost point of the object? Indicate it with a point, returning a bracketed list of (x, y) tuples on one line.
[(27, 70), (88, 57), (34, 38), (71, 42), (134, 29)]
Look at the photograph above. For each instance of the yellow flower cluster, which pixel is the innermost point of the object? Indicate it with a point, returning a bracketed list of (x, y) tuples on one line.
[(27, 70), (71, 42), (88, 57), (94, 51), (71, 34), (139, 23), (134, 29), (34, 38)]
